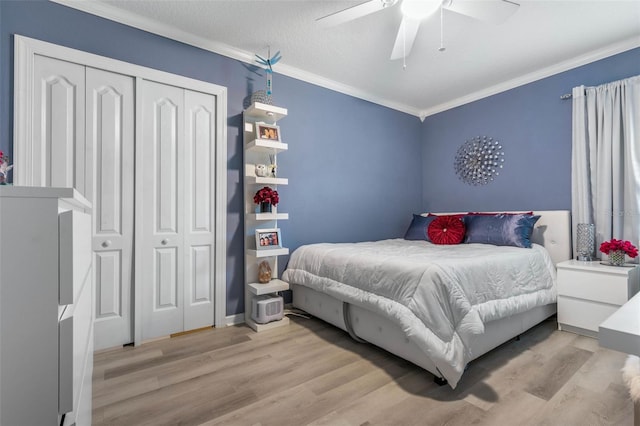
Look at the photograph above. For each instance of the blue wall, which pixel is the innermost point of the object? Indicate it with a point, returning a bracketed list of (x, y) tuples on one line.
[(534, 126), (354, 167)]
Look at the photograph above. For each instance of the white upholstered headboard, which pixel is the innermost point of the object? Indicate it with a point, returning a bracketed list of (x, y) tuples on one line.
[(552, 231)]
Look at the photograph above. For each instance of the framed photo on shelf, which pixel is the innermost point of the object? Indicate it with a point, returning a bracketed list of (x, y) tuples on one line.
[(267, 132), (268, 239)]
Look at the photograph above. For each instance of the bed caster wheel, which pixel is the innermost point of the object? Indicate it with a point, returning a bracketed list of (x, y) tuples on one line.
[(440, 381)]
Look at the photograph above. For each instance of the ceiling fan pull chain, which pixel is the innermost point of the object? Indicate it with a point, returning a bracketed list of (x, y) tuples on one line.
[(442, 48), (404, 47)]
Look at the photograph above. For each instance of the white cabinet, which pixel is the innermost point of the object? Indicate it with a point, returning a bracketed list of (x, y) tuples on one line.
[(589, 292), (261, 151), (46, 307)]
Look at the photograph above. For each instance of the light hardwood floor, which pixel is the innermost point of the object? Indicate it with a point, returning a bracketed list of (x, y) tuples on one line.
[(311, 373)]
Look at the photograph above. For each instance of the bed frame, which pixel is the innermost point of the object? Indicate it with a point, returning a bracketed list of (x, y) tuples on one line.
[(552, 230)]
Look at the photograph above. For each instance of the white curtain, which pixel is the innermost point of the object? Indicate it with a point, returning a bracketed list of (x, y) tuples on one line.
[(605, 163)]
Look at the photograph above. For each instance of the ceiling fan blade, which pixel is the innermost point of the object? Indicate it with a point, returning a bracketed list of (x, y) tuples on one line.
[(351, 13), (493, 11), (405, 38)]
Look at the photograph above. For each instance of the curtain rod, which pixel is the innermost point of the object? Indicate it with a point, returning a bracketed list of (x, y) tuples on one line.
[(569, 95)]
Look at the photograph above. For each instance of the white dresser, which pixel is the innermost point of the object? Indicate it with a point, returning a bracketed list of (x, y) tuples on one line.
[(46, 307), (589, 292)]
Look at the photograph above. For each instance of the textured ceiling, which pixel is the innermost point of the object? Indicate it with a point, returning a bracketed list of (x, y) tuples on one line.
[(540, 39)]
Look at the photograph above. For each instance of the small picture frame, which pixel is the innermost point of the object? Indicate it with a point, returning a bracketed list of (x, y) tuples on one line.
[(268, 239), (267, 132)]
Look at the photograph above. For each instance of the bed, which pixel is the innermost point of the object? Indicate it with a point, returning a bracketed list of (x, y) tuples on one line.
[(371, 308)]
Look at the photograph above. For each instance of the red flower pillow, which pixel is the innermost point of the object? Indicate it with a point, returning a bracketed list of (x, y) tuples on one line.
[(446, 230)]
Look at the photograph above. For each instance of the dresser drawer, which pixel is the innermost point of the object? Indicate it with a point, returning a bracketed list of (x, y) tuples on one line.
[(595, 286), (74, 256), (583, 313)]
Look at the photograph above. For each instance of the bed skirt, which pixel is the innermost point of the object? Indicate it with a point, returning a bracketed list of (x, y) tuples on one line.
[(387, 335)]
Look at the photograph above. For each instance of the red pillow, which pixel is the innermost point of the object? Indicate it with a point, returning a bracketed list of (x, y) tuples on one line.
[(446, 230)]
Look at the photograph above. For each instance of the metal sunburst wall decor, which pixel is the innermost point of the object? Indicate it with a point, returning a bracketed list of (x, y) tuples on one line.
[(478, 160)]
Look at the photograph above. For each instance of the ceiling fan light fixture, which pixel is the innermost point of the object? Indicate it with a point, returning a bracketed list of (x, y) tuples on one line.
[(419, 9)]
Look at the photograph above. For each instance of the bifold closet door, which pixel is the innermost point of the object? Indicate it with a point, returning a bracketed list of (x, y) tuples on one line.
[(176, 169), (110, 130), (83, 137)]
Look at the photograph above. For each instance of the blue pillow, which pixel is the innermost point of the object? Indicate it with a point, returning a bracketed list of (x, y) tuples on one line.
[(418, 228), (500, 230)]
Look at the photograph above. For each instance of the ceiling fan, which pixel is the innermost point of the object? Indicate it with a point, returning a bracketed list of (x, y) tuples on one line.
[(414, 11)]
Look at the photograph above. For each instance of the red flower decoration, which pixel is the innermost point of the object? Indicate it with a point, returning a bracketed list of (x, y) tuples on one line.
[(266, 195), (446, 230), (615, 245)]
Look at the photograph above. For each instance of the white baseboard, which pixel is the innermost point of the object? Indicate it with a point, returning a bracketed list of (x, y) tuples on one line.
[(234, 319)]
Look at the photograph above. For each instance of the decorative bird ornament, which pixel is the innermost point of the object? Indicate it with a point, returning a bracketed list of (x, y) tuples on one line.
[(268, 64)]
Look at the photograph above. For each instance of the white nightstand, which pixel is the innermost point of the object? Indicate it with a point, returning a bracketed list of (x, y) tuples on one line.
[(588, 292)]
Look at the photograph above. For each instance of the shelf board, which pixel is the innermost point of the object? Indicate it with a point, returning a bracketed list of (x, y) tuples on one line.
[(259, 110), (268, 216), (266, 180), (261, 145), (268, 252), (268, 326), (272, 286)]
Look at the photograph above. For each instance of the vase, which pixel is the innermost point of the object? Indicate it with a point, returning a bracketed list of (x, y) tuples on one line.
[(586, 241), (265, 207), (617, 257)]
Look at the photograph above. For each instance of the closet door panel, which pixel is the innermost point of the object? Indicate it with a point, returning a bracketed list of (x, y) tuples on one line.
[(161, 246), (110, 178), (199, 237), (165, 145), (166, 279), (58, 146)]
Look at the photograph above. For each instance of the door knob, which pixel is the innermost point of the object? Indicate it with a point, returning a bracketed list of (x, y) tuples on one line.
[(106, 243), (164, 242)]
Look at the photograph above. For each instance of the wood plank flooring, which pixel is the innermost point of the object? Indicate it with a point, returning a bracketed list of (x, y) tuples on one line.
[(311, 373)]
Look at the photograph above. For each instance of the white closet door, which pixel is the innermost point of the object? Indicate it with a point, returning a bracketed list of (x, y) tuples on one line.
[(110, 179), (161, 247), (57, 149), (199, 205)]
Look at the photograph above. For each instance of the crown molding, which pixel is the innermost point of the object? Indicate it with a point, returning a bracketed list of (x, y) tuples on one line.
[(558, 68), (114, 14), (136, 21)]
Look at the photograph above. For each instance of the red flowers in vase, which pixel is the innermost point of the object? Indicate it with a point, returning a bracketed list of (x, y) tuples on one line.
[(266, 195), (619, 245), (4, 168)]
